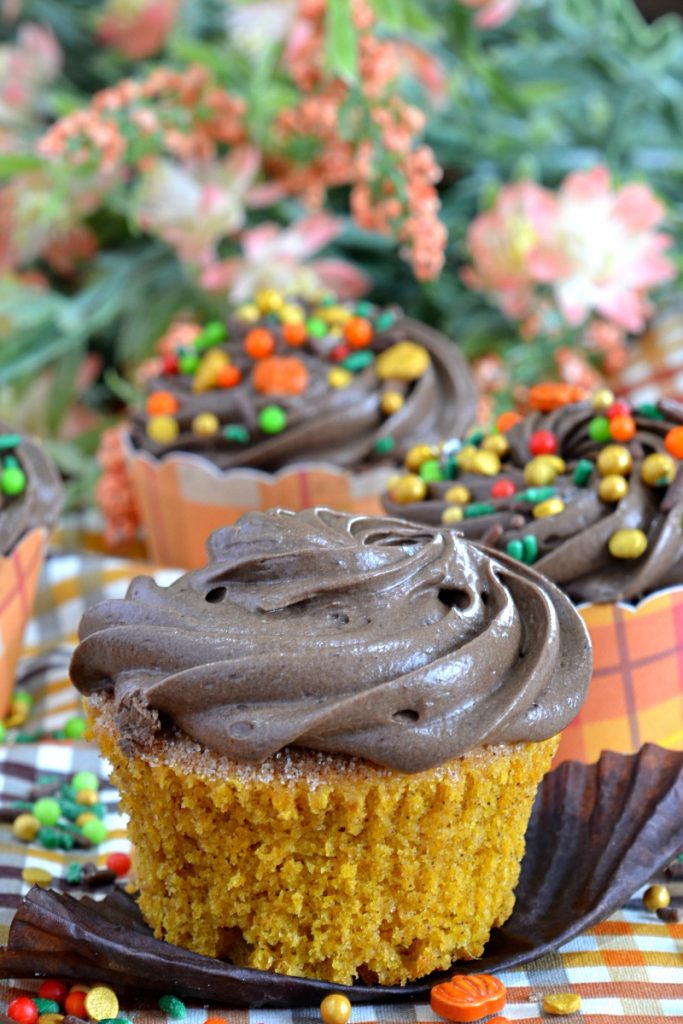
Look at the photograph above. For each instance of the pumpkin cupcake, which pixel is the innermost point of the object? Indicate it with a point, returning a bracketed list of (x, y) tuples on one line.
[(329, 739)]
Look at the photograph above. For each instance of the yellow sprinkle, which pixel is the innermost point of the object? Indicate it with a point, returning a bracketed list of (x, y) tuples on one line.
[(614, 458), (269, 300), (550, 507), (50, 1018), (36, 876), (205, 424), (391, 402), (82, 818), (87, 797), (602, 399), (101, 1002), (291, 314), (451, 515), (613, 487), (418, 454), (558, 464), (408, 489), (339, 378), (457, 495), (465, 457), (249, 313), (539, 472), (405, 361), (627, 544), (25, 827), (162, 429), (207, 371), (485, 463), (561, 1003), (497, 443), (337, 315), (658, 468)]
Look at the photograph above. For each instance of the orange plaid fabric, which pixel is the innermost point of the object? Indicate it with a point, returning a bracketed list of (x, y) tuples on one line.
[(19, 574), (636, 694)]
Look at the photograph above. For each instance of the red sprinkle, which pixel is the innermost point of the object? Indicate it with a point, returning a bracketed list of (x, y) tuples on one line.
[(119, 863), (339, 352), (23, 1010), (53, 989), (169, 363), (542, 442), (503, 489), (75, 1004), (618, 408)]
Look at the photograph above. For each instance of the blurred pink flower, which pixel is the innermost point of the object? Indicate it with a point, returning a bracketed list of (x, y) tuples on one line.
[(609, 254), (259, 23), (26, 67), (193, 209), (491, 13), (508, 247), (137, 28), (277, 258)]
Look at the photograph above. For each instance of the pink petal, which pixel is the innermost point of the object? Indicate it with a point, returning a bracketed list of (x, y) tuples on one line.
[(341, 277)]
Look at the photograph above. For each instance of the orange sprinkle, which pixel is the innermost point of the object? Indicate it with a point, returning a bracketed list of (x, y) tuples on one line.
[(294, 334), (673, 442), (551, 395), (468, 997), (622, 428), (358, 332), (162, 403), (280, 375), (228, 376), (506, 420), (259, 343)]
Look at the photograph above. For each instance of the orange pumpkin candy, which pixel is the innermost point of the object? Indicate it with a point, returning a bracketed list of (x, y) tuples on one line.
[(468, 997)]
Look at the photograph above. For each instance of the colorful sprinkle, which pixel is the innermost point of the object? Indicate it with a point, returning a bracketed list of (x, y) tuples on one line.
[(259, 343), (406, 361), (357, 361), (622, 428), (161, 403), (228, 376), (627, 544), (503, 489), (384, 445), (542, 442), (280, 375), (431, 471), (457, 495), (551, 507), (657, 469), (613, 488), (478, 508), (582, 472), (272, 419), (162, 429), (507, 420), (614, 458), (408, 489), (530, 549), (673, 442), (358, 332), (599, 429), (205, 424)]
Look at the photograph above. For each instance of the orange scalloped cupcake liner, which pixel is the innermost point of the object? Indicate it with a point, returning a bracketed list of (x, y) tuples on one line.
[(636, 693), (183, 498), (19, 575)]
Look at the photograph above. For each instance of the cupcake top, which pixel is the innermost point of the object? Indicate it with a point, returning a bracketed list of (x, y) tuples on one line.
[(288, 381), (369, 637), (31, 491), (590, 493)]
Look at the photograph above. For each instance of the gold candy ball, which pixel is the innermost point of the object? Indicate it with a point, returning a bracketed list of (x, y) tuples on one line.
[(205, 424), (602, 399), (627, 544), (558, 464), (452, 515), (465, 457), (457, 495), (497, 443), (486, 463), (25, 827), (408, 489), (335, 1009), (658, 468), (162, 429), (87, 797), (550, 507), (248, 313), (656, 897), (269, 300), (561, 1004), (391, 402), (614, 458), (613, 487), (339, 378), (419, 454), (291, 314), (101, 1003), (539, 472)]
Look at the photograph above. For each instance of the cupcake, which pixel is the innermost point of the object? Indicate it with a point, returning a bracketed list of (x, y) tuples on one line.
[(591, 494), (328, 740), (289, 404), (31, 499)]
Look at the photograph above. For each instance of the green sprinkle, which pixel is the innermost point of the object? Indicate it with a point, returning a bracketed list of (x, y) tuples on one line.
[(365, 309), (385, 320), (67, 793), (74, 874), (66, 840), (3, 732), (11, 461), (12, 481), (212, 334), (94, 830), (515, 549), (71, 810), (22, 697), (29, 737), (8, 441), (478, 508), (316, 327), (46, 1005), (475, 437), (359, 360), (598, 429), (74, 728), (530, 545), (272, 419), (115, 1020), (582, 472), (188, 362), (22, 805), (172, 1006), (649, 411), (85, 780), (47, 811), (536, 494), (236, 432), (49, 838), (450, 468), (384, 445), (431, 471), (99, 810)]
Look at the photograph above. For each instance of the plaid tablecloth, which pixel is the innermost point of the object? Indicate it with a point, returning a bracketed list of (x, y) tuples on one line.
[(629, 968)]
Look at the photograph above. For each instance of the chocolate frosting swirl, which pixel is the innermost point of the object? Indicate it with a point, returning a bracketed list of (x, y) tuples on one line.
[(42, 498), (342, 426), (364, 636), (573, 546)]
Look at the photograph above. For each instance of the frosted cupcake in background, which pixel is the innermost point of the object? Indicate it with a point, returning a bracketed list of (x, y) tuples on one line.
[(330, 739), (591, 494), (291, 404), (31, 498)]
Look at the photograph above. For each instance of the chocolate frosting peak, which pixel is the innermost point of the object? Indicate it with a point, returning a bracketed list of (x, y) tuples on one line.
[(364, 636), (40, 503)]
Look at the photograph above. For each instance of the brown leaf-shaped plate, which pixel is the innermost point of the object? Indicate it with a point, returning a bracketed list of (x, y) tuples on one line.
[(597, 833)]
